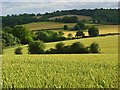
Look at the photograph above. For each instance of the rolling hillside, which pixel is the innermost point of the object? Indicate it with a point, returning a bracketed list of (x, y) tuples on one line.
[(63, 70), (80, 17)]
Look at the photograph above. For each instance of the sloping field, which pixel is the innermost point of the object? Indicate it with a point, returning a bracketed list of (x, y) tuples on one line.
[(108, 44), (46, 25), (80, 17), (63, 70)]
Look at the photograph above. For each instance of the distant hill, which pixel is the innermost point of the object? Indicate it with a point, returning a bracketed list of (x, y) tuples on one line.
[(80, 17), (104, 16)]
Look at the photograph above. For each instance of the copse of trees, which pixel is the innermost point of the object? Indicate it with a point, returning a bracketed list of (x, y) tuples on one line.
[(93, 31), (80, 26), (50, 36), (67, 19), (24, 35), (8, 39), (75, 48), (36, 47)]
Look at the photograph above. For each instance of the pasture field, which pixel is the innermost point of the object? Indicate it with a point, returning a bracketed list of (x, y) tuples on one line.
[(63, 70), (80, 17), (103, 29), (46, 25)]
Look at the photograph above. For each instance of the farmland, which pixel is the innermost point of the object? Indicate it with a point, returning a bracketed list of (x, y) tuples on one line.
[(80, 17), (60, 71), (103, 29), (63, 70)]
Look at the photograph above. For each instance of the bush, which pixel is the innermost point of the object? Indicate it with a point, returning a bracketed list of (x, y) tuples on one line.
[(36, 47), (80, 33), (65, 27), (50, 36), (77, 47), (9, 39), (81, 25), (93, 31), (24, 35), (60, 47), (70, 36), (94, 48), (18, 50), (76, 27)]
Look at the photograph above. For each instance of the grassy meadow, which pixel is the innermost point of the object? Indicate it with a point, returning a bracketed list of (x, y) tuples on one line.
[(63, 70)]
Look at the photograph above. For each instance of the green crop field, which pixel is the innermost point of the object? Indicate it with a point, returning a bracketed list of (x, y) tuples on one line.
[(63, 70)]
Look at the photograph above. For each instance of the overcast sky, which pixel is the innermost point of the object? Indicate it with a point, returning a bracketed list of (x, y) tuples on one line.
[(33, 6)]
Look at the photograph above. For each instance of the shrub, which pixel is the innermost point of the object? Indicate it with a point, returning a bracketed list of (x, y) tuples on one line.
[(81, 25), (93, 31), (18, 50), (77, 47), (76, 27), (65, 27), (9, 39), (70, 36), (59, 47), (79, 33), (36, 47), (94, 48), (50, 36), (24, 35)]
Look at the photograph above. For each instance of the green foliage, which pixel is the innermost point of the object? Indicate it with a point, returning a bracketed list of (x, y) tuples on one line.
[(81, 25), (75, 48), (7, 30), (23, 34), (8, 39), (60, 47), (93, 31), (61, 33), (18, 50), (50, 36), (78, 47), (65, 27), (76, 27), (79, 33), (36, 47), (70, 36), (94, 48), (66, 19)]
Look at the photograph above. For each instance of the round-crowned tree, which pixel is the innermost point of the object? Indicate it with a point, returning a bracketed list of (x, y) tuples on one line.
[(93, 31), (65, 27), (36, 47), (94, 48), (23, 34), (76, 27)]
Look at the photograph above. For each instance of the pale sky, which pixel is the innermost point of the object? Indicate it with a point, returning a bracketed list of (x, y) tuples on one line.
[(42, 6)]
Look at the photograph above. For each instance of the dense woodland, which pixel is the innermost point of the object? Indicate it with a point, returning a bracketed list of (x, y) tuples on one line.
[(105, 16)]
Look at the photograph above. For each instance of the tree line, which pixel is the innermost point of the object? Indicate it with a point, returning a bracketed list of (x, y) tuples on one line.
[(38, 47), (106, 16)]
